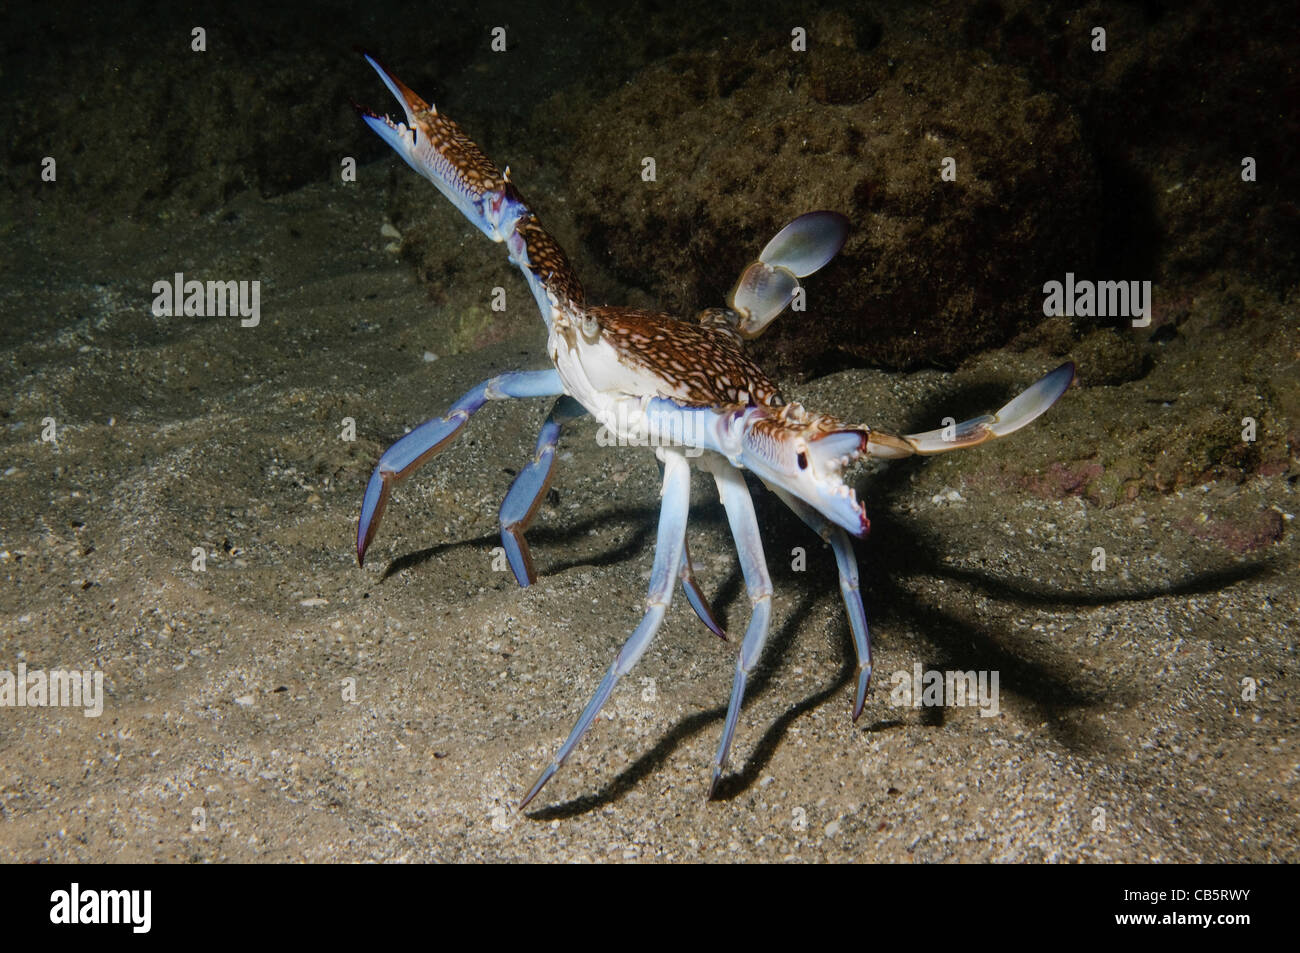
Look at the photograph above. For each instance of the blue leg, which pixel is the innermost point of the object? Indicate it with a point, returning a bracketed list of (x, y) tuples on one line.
[(408, 454), (695, 596), (749, 545), (521, 502), (525, 494), (667, 566), (847, 563)]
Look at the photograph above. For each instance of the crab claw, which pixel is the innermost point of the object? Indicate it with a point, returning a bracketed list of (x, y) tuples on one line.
[(402, 136), (435, 147), (1026, 407), (410, 100)]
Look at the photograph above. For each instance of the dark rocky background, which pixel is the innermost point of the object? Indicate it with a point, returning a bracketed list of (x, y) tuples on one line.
[(1122, 164)]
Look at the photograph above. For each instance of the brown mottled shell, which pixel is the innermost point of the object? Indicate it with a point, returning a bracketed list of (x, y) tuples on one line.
[(794, 419), (720, 319), (705, 362)]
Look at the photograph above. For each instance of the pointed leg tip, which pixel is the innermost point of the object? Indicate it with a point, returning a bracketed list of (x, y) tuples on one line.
[(363, 545), (538, 785), (860, 699), (713, 782)]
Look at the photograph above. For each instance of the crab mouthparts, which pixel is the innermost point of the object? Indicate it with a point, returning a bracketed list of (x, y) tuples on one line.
[(829, 456), (835, 451)]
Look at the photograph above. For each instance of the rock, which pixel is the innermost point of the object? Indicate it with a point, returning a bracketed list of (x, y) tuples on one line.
[(932, 270)]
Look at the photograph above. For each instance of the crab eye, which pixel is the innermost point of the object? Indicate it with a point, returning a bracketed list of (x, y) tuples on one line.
[(802, 458)]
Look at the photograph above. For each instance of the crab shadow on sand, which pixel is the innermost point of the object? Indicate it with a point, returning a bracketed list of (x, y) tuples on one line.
[(1047, 689)]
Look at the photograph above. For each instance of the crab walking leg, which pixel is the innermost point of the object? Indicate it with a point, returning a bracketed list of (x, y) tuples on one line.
[(663, 577), (526, 492), (695, 596), (749, 545), (847, 564), (408, 454)]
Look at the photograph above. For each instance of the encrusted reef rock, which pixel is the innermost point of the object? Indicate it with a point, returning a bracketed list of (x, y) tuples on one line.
[(746, 137)]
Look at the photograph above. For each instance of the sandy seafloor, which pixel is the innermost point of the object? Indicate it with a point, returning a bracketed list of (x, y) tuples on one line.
[(1122, 735)]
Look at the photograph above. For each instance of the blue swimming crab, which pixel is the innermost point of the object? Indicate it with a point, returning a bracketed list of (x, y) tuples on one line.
[(685, 388)]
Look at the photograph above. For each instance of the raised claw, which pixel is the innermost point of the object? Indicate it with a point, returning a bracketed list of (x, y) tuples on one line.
[(435, 147)]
